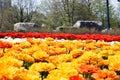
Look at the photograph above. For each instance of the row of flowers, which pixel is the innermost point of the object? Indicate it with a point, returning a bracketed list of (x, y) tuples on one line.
[(48, 59), (60, 36)]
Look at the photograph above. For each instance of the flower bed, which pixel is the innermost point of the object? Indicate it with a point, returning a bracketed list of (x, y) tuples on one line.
[(60, 36), (89, 57)]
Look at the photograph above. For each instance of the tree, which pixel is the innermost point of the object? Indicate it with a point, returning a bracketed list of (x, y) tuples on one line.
[(4, 5), (21, 11), (67, 12), (24, 10), (118, 15), (99, 10), (87, 6), (59, 12)]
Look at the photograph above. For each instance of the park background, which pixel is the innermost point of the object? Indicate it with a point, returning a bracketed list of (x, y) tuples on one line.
[(50, 14)]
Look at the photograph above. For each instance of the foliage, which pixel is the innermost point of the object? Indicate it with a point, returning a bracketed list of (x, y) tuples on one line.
[(54, 13), (67, 12), (99, 10)]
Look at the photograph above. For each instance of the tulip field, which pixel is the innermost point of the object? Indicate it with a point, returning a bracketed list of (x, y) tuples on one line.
[(60, 56)]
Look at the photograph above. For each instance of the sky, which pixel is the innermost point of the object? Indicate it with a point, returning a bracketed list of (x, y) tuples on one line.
[(115, 3)]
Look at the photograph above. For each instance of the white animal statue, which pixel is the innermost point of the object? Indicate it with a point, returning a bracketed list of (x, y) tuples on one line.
[(88, 24), (23, 26)]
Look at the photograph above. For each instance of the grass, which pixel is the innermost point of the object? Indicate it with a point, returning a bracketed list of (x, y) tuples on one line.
[(114, 31)]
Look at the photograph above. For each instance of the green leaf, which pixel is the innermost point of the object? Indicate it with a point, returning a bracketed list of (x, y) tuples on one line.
[(27, 64), (44, 74)]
